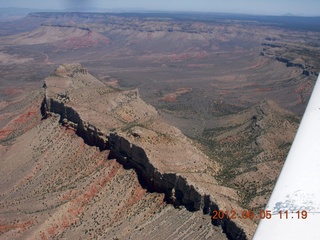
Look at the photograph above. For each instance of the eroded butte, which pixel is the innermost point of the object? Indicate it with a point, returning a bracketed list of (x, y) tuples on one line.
[(235, 85), (67, 182)]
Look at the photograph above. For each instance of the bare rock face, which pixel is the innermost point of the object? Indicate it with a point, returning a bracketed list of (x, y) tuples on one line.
[(54, 186), (165, 160)]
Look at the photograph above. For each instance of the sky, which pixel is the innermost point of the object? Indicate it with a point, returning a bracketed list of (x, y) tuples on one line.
[(265, 7)]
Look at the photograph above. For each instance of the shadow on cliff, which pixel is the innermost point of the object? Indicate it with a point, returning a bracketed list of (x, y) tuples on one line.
[(175, 187)]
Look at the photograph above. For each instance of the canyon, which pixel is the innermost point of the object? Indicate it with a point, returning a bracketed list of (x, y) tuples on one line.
[(165, 118)]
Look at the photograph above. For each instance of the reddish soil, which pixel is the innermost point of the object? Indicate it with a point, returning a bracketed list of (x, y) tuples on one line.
[(78, 200), (172, 97), (91, 39), (20, 226), (11, 91), (26, 120)]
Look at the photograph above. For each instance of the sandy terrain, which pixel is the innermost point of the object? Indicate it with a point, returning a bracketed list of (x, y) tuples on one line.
[(237, 88)]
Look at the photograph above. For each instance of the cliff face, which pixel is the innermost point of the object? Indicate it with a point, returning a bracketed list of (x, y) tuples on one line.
[(53, 186), (121, 122)]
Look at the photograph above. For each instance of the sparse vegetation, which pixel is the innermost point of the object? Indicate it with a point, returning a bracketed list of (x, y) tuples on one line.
[(207, 76)]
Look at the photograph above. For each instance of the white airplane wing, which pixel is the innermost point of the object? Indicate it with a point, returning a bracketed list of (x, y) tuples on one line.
[(293, 210)]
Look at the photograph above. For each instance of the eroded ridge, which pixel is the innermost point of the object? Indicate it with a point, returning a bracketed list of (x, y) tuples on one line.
[(165, 160)]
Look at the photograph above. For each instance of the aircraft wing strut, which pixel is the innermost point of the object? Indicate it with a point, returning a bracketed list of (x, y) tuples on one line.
[(295, 201)]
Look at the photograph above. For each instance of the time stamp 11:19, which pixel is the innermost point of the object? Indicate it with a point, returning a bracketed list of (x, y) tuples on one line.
[(263, 214)]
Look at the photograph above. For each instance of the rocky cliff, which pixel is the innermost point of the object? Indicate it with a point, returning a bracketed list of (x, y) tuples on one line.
[(164, 159)]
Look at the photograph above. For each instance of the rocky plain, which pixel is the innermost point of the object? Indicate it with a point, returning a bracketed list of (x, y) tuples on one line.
[(138, 126)]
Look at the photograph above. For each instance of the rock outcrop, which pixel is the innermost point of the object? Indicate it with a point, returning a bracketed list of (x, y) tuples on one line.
[(164, 159), (278, 50)]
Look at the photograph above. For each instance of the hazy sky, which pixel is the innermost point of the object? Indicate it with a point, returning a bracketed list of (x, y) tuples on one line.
[(275, 7)]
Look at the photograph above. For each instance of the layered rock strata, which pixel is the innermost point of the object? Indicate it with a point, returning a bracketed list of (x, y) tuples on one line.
[(165, 160)]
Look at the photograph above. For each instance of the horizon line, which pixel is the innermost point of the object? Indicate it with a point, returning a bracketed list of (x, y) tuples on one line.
[(141, 10)]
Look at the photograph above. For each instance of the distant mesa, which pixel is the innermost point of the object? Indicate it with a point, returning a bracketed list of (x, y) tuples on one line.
[(62, 37)]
